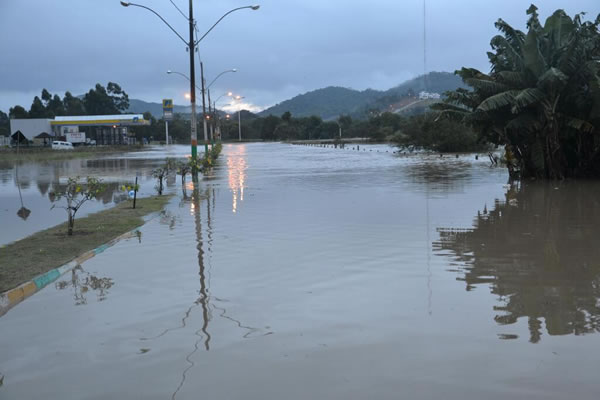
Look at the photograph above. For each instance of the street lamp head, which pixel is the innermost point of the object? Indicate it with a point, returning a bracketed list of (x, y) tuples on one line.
[(169, 71), (254, 7), (229, 94), (125, 3), (234, 70)]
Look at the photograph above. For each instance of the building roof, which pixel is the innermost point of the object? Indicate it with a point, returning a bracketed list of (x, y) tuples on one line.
[(118, 119), (43, 135)]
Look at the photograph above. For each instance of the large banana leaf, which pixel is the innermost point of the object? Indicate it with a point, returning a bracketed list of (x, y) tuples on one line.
[(487, 86), (527, 97), (553, 80), (515, 79), (532, 56), (559, 27), (513, 54), (499, 100)]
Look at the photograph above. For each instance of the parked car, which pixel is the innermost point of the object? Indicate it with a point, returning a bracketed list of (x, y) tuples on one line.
[(60, 145)]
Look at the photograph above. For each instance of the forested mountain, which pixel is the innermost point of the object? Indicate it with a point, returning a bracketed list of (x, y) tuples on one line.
[(333, 101), (327, 103)]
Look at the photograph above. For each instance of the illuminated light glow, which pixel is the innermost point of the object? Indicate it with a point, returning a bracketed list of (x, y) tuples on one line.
[(187, 96), (236, 170)]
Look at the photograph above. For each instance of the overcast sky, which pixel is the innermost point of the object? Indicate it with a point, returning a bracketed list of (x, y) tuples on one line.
[(285, 48)]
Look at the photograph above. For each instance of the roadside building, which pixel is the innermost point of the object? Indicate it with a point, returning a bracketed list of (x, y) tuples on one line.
[(30, 127), (43, 139), (104, 129)]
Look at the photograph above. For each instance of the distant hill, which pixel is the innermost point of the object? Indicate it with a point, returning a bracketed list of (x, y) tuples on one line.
[(139, 107), (330, 102)]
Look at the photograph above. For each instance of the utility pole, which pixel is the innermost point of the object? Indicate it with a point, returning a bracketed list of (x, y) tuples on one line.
[(166, 133), (212, 123), (192, 48), (239, 124), (204, 110)]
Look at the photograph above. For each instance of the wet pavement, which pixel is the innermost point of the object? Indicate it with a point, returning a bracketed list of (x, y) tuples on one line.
[(297, 272)]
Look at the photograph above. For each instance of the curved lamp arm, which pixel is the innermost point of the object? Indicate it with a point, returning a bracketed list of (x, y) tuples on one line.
[(254, 7), (127, 4)]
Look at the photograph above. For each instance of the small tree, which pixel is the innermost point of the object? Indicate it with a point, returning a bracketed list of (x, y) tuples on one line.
[(76, 194), (162, 173), (183, 168)]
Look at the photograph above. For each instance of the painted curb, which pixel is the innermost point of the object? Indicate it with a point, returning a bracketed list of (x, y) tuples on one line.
[(12, 297)]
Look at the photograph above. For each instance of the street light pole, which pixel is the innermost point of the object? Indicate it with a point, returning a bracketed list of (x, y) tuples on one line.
[(211, 116), (239, 117), (204, 109), (194, 135), (191, 45)]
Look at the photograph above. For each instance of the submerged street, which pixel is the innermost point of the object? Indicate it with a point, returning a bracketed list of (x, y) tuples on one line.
[(301, 272)]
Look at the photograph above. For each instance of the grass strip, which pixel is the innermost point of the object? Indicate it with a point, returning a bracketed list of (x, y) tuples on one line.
[(27, 258)]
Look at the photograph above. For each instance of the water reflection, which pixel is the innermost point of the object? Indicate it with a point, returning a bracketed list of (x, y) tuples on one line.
[(83, 283), (538, 251), (23, 212), (236, 171)]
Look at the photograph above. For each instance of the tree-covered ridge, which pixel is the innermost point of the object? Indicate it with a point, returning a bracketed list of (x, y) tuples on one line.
[(541, 99), (327, 103), (330, 102)]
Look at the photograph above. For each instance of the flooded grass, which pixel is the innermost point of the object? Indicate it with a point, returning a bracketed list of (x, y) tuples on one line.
[(47, 154), (25, 259)]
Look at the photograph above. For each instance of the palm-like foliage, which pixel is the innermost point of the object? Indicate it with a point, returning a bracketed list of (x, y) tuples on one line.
[(541, 98)]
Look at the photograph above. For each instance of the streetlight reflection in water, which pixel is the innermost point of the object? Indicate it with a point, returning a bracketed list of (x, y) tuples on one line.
[(236, 171)]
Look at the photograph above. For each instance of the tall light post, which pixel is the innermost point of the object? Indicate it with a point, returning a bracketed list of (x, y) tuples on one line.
[(202, 90), (238, 98), (191, 46), (216, 117)]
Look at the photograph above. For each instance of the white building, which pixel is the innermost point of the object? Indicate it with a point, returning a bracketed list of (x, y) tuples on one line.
[(105, 129), (427, 95), (30, 128)]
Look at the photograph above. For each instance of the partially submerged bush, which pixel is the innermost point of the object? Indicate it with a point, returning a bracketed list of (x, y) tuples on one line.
[(76, 194)]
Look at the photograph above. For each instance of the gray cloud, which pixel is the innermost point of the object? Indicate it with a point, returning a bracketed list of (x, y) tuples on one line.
[(286, 48)]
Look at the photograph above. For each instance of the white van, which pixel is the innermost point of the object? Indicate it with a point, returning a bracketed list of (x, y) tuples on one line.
[(60, 145)]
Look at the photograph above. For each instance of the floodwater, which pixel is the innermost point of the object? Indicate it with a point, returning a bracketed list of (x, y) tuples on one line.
[(26, 204), (317, 273)]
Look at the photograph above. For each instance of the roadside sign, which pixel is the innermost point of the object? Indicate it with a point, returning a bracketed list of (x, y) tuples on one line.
[(167, 109)]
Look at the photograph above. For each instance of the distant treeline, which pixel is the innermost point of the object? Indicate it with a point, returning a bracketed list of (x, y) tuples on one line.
[(422, 131)]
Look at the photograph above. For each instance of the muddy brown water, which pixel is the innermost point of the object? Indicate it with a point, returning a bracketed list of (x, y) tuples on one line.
[(296, 272)]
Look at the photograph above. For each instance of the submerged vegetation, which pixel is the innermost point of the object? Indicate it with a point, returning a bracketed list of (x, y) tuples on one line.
[(541, 99)]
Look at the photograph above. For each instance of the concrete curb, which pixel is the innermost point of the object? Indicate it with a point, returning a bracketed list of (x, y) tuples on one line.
[(12, 297)]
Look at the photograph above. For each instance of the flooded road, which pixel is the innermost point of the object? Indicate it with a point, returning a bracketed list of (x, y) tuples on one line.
[(26, 187), (297, 272)]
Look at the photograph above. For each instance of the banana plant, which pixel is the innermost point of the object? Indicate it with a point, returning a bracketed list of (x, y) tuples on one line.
[(541, 98)]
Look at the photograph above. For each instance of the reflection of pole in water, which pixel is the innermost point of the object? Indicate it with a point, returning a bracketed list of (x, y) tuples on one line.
[(23, 212), (203, 300), (429, 276)]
